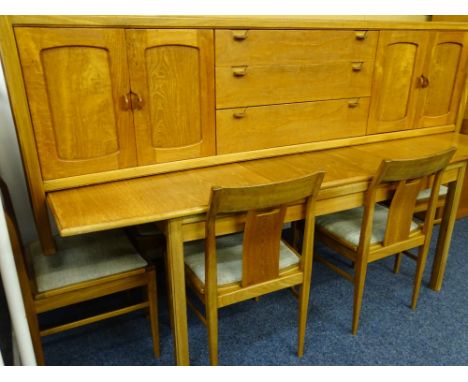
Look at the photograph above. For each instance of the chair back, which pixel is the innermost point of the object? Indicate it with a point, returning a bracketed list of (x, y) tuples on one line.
[(409, 177), (264, 207)]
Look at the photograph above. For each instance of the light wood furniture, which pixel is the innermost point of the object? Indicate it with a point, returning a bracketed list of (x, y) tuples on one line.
[(246, 100), (257, 262), (164, 198), (83, 270), (104, 98), (374, 232)]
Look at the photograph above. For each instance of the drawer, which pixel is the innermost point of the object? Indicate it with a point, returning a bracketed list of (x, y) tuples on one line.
[(262, 127), (264, 85), (269, 47)]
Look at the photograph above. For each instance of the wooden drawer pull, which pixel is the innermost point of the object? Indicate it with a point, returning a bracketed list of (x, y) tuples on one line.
[(239, 71), (357, 66), (361, 35), (353, 103), (240, 35), (239, 114)]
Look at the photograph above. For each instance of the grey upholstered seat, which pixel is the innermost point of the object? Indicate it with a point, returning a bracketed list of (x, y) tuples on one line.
[(347, 224), (425, 194), (229, 256), (82, 258)]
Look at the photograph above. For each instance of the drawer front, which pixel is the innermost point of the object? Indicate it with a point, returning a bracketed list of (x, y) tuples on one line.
[(264, 85), (262, 127), (286, 47)]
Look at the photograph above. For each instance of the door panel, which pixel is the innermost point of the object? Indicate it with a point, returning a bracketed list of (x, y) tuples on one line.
[(171, 74), (399, 63), (75, 80), (445, 69)]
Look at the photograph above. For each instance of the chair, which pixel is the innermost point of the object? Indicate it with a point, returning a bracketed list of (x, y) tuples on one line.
[(239, 267), (84, 268), (373, 232)]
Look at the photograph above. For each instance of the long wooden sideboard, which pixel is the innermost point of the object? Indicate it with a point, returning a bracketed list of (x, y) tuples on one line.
[(104, 98)]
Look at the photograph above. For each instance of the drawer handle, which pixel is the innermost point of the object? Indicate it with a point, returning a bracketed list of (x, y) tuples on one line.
[(240, 35), (239, 71), (361, 35), (357, 66), (353, 103), (239, 114)]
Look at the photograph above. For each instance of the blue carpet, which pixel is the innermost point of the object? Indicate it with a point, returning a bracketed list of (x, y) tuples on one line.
[(264, 332)]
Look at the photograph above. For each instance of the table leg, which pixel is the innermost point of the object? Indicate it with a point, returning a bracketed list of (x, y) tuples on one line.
[(446, 230), (177, 298)]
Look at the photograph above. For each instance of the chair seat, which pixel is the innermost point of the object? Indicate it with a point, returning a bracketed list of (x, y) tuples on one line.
[(347, 224), (229, 256), (425, 194), (83, 258)]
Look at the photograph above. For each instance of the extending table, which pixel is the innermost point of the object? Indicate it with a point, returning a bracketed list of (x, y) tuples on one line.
[(177, 201)]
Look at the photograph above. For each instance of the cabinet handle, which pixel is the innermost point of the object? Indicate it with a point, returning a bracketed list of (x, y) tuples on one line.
[(357, 66), (125, 102), (239, 114), (353, 103), (239, 71), (361, 35), (137, 101), (423, 81), (240, 35)]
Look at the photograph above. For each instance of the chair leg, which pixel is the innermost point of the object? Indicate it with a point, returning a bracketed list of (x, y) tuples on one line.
[(36, 340), (153, 310), (420, 265), (359, 281), (303, 310), (396, 265), (212, 325)]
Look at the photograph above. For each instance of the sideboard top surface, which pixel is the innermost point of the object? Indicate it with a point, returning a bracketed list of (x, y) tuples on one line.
[(239, 22)]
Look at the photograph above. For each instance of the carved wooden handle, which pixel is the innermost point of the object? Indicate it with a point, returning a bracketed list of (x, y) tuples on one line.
[(239, 71), (357, 66), (125, 102), (239, 114), (361, 35), (240, 35), (353, 103), (423, 81), (137, 101)]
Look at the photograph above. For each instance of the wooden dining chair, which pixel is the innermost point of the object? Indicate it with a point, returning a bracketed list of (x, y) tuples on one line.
[(84, 268), (374, 231), (239, 267)]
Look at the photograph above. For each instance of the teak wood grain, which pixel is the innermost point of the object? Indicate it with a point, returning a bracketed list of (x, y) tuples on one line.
[(75, 79), (290, 124), (293, 47), (263, 85), (171, 71)]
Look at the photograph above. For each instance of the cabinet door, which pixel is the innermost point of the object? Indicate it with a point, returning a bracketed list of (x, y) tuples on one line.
[(399, 63), (172, 82), (75, 80), (445, 69)]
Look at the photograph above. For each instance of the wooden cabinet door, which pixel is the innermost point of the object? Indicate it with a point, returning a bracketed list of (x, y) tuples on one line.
[(444, 68), (399, 64), (75, 80), (172, 83)]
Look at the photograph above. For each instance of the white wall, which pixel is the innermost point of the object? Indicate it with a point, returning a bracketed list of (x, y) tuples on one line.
[(11, 168)]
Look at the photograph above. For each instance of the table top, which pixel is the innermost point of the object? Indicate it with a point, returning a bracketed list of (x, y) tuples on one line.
[(186, 193)]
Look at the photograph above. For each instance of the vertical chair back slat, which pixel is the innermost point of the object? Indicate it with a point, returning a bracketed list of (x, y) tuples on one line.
[(261, 246), (400, 214)]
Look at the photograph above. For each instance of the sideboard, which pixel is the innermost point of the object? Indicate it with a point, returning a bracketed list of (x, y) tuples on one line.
[(105, 98)]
